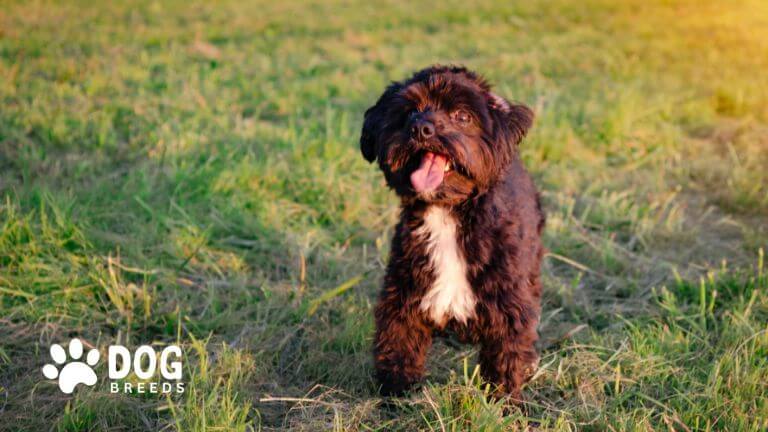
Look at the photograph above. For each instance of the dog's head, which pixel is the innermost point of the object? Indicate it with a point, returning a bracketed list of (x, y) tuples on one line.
[(442, 135)]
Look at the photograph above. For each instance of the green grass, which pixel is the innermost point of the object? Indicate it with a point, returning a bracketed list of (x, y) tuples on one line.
[(188, 172)]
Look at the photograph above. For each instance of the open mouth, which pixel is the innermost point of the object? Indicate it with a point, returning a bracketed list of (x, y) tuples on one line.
[(431, 172)]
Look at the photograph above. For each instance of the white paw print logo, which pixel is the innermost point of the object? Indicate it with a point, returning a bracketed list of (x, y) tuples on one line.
[(75, 372)]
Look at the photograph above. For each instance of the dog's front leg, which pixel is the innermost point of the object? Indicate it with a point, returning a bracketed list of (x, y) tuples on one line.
[(508, 354), (400, 349)]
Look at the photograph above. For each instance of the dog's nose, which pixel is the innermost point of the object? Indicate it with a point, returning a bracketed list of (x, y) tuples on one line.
[(422, 130)]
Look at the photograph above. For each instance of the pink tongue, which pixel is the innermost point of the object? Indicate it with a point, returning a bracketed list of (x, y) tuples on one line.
[(430, 173)]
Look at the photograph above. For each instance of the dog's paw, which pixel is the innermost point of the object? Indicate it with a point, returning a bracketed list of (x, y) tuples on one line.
[(392, 385), (73, 372)]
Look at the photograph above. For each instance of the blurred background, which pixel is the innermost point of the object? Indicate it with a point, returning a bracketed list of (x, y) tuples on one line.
[(189, 172)]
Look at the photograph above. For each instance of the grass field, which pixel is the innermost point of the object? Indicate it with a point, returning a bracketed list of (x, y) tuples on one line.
[(189, 172)]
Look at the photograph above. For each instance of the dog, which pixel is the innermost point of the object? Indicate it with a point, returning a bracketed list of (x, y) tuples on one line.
[(467, 250)]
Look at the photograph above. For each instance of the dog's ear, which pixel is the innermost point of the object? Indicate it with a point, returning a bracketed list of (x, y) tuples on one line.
[(375, 119), (517, 118), (368, 135)]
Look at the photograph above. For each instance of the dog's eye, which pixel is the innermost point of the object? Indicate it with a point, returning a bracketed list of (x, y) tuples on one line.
[(462, 116)]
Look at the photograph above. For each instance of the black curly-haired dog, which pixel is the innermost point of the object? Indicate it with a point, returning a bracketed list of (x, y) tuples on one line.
[(466, 253)]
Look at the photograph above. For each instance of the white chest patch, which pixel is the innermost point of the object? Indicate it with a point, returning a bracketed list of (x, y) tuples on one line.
[(450, 295)]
